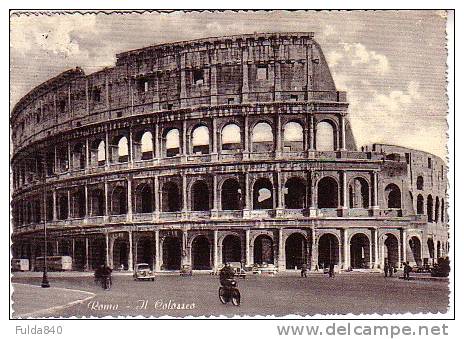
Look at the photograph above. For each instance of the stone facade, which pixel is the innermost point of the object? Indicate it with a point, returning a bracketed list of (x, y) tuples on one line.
[(202, 152)]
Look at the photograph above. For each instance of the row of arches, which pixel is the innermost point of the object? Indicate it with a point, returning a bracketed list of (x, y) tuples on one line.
[(432, 216)]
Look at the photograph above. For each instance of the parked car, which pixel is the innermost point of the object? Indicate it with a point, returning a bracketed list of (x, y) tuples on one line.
[(19, 265), (143, 272), (264, 268), (186, 270), (238, 270)]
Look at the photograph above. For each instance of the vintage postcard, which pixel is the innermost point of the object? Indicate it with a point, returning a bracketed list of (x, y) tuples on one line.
[(229, 163)]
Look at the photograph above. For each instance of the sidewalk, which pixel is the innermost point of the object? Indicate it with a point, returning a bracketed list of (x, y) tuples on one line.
[(32, 301)]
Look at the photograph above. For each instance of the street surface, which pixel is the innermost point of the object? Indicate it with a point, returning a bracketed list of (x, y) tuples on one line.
[(285, 293)]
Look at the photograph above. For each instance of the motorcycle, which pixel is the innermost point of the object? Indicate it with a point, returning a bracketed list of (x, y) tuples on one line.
[(229, 292)]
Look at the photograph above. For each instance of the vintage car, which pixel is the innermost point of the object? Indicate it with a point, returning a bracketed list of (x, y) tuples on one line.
[(143, 272), (186, 270), (264, 268), (238, 270)]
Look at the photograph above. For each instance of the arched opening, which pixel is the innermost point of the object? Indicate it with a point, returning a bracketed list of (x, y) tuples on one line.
[(231, 249), (360, 251), (325, 136), (420, 204), (120, 254), (172, 253), (123, 150), (97, 202), (328, 250), (429, 208), (295, 193), (359, 193), (295, 251), (231, 195), (200, 140), (100, 153), (393, 196), (391, 250), (262, 138), (327, 193), (62, 207), (201, 253), (200, 196), (437, 209), (263, 194), (79, 255), (263, 250), (78, 203), (230, 137), (431, 248), (293, 137), (143, 199), (414, 255), (97, 251), (146, 146), (119, 201), (420, 183), (145, 251), (171, 201), (171, 143), (78, 156)]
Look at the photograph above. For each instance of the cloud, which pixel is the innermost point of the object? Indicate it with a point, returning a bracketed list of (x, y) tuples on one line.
[(358, 54)]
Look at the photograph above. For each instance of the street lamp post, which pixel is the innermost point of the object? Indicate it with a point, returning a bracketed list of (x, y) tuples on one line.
[(45, 283)]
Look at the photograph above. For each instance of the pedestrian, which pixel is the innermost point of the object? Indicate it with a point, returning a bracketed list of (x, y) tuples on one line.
[(304, 270), (406, 270), (331, 271), (385, 269), (390, 270)]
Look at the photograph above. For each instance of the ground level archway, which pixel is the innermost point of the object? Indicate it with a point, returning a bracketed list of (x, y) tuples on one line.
[(201, 253), (328, 250), (295, 251), (231, 249), (172, 253), (263, 250), (360, 251)]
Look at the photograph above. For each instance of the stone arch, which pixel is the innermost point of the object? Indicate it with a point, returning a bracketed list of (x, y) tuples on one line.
[(144, 250), (231, 248), (78, 156), (393, 196), (78, 203), (328, 248), (414, 251), (201, 253), (97, 202), (120, 253), (442, 217), (429, 208), (358, 193), (437, 209), (171, 142), (119, 149), (200, 196), (170, 200), (231, 195), (295, 197), (420, 204), (326, 135), (143, 198), (420, 183), (327, 193), (172, 253), (119, 200), (262, 137), (263, 195), (143, 145), (295, 251), (200, 142), (63, 212), (390, 250), (293, 137), (360, 251), (263, 249), (231, 137)]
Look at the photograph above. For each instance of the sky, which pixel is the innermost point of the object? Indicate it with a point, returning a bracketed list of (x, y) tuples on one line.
[(391, 63)]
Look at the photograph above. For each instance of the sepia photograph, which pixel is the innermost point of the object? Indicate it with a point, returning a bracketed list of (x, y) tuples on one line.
[(229, 164)]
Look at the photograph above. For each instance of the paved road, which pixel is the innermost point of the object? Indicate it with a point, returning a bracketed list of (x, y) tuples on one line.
[(261, 295)]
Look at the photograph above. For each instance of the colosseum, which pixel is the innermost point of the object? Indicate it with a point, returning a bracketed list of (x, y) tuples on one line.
[(231, 149)]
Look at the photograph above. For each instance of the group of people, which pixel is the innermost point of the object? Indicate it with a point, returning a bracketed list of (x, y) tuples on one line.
[(103, 276)]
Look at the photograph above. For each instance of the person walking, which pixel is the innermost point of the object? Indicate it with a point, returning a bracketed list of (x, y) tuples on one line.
[(304, 270), (386, 269), (390, 270), (331, 271)]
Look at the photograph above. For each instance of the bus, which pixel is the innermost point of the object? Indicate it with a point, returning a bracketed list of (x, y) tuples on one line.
[(19, 265), (54, 263)]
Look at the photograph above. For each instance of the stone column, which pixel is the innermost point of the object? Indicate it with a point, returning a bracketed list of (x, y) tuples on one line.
[(157, 197), (213, 78), (107, 248), (247, 248), (214, 153), (342, 142), (183, 82), (69, 158), (374, 196), (277, 80), (281, 256), (184, 194), (185, 251), (280, 193), (107, 150), (130, 263), (399, 252), (157, 252), (54, 205), (246, 137), (215, 210), (278, 148), (129, 199), (314, 249), (70, 214), (343, 194), (346, 247), (106, 200), (73, 249), (131, 148), (87, 153), (157, 142), (376, 248), (86, 197), (245, 88), (215, 251), (184, 140), (405, 258), (87, 266), (312, 139)]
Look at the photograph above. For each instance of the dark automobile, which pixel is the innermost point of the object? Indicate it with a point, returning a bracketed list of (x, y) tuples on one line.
[(442, 269)]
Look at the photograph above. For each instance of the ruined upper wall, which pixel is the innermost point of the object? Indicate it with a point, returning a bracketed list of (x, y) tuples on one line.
[(207, 72)]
